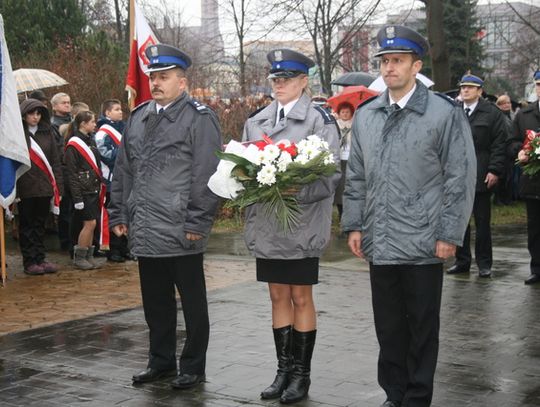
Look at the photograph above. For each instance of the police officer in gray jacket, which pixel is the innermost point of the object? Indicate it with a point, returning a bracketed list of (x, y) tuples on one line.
[(289, 262), (408, 196), (160, 198)]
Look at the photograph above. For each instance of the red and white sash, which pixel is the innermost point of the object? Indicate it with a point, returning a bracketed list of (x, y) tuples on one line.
[(40, 160), (110, 131), (88, 155)]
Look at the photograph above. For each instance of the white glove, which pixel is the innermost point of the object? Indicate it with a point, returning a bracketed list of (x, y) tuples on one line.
[(79, 206)]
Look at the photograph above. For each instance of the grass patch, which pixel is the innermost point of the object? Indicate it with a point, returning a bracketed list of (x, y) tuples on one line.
[(515, 214)]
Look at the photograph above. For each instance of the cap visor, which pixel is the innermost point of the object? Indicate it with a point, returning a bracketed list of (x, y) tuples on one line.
[(470, 84), (393, 51), (158, 68), (283, 74)]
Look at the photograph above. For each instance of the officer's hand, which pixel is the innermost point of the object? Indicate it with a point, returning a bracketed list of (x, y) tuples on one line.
[(79, 206), (120, 230), (491, 180), (193, 236), (355, 243), (444, 250)]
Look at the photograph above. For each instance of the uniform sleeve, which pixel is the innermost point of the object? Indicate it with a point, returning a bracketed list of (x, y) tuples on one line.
[(122, 184), (326, 186), (518, 136), (202, 204), (458, 160), (354, 195), (497, 157)]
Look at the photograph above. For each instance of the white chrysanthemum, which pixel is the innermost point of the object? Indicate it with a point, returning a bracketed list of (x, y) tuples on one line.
[(253, 154), (301, 159), (267, 175), (284, 160), (328, 159), (270, 153), (537, 151)]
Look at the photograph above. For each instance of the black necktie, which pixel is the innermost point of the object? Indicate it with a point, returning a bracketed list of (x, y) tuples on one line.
[(396, 107), (161, 110), (281, 114), (467, 111)]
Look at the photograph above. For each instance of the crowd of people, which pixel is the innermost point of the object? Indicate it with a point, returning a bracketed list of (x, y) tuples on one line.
[(413, 166)]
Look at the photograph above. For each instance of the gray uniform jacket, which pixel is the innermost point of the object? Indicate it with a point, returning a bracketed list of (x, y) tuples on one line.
[(264, 237), (410, 179), (159, 187)]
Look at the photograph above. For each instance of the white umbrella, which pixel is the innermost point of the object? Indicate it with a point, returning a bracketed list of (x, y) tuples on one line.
[(32, 79), (379, 86)]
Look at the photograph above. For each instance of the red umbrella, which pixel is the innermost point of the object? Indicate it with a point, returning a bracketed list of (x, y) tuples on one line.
[(353, 95)]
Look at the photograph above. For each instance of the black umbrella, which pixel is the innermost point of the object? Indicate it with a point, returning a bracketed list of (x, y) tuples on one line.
[(354, 79)]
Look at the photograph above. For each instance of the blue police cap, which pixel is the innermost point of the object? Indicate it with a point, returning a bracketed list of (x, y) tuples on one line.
[(287, 63), (471, 80), (398, 39), (536, 76), (162, 57)]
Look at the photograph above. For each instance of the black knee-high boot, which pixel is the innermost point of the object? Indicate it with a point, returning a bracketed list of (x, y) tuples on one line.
[(283, 341), (303, 343)]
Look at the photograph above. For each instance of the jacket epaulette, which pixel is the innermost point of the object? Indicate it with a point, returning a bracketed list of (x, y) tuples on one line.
[(199, 107), (447, 98), (140, 105), (328, 118), (367, 101)]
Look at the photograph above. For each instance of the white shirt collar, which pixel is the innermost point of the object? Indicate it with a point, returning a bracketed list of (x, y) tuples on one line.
[(33, 129), (158, 106), (472, 106), (403, 101), (286, 109)]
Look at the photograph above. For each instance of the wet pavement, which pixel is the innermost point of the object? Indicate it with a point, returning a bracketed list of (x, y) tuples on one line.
[(489, 342)]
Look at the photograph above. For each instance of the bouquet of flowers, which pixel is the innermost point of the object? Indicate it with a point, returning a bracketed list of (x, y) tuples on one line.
[(529, 156), (271, 174)]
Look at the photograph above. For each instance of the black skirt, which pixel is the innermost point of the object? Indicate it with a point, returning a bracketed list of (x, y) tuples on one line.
[(296, 272)]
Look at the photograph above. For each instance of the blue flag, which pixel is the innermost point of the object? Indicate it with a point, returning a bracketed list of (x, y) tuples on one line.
[(14, 156)]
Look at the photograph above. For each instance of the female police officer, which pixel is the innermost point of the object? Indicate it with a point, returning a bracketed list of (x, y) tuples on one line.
[(289, 262)]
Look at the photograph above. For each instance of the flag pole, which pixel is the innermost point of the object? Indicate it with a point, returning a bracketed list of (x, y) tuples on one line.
[(131, 95), (2, 247)]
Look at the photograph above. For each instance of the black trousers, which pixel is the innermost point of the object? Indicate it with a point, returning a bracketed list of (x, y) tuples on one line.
[(533, 233), (482, 246), (406, 306), (33, 213), (159, 277), (64, 222)]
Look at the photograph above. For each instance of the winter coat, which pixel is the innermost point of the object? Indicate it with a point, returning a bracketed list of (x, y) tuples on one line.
[(410, 178), (108, 149), (527, 118), (159, 189), (35, 183), (82, 179), (263, 235), (490, 135)]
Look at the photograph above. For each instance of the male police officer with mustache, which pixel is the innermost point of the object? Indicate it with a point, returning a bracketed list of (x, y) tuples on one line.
[(160, 197)]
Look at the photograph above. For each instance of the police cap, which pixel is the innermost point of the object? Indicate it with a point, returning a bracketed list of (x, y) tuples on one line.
[(536, 76), (398, 39), (162, 57), (471, 80), (287, 63)]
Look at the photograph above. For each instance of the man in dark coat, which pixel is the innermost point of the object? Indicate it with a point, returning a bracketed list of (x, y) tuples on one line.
[(160, 197), (528, 118), (490, 136)]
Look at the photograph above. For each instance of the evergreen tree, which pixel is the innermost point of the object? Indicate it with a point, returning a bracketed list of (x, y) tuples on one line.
[(465, 51), (34, 26)]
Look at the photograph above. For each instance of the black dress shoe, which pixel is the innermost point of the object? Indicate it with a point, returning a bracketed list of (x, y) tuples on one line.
[(116, 258), (484, 273), (455, 269), (186, 381), (390, 403), (532, 279), (150, 375)]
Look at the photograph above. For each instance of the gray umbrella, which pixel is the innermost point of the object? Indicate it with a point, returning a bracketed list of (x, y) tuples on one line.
[(354, 79)]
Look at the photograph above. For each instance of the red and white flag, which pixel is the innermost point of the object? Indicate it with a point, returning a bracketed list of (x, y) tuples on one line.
[(136, 80)]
